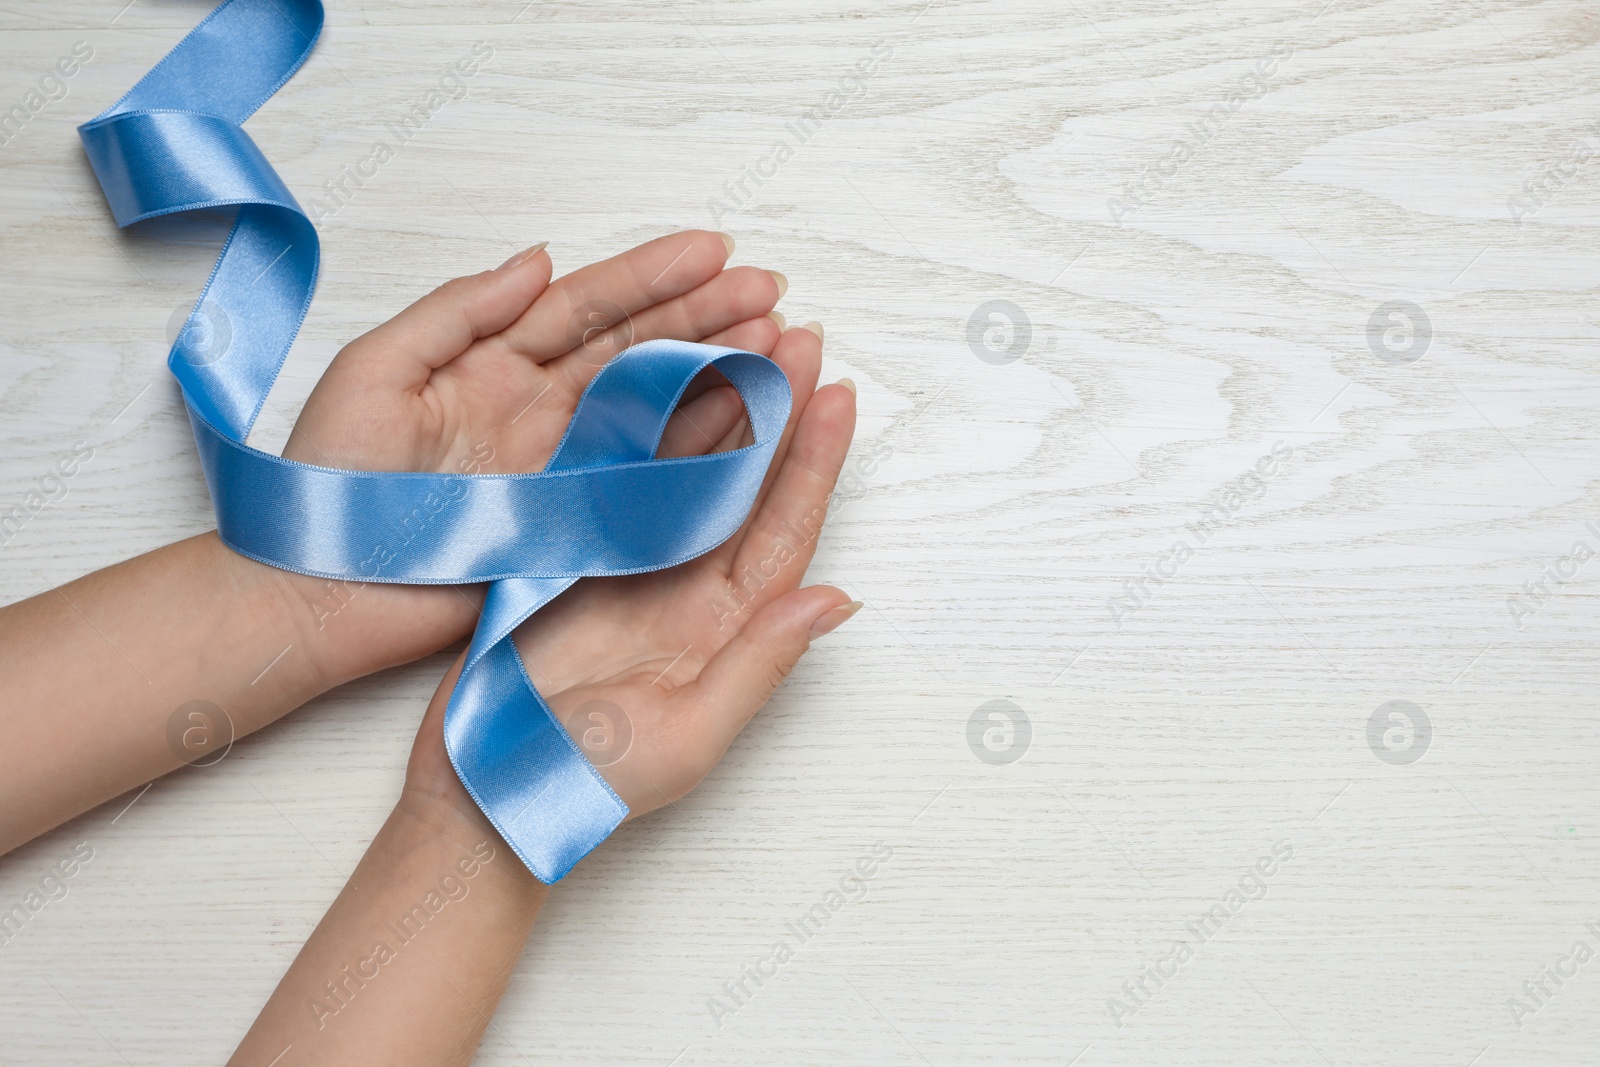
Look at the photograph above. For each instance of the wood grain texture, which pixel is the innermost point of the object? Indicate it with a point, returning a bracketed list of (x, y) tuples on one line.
[(1225, 312)]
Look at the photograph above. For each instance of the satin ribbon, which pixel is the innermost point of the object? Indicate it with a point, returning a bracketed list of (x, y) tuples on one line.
[(602, 506)]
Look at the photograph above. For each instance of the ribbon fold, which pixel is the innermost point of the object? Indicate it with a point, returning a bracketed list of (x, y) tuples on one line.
[(602, 506)]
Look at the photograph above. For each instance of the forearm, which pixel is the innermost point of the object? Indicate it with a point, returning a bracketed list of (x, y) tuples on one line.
[(411, 960), (132, 671)]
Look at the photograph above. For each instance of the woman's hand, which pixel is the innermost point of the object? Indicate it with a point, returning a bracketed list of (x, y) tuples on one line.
[(482, 376), (655, 674)]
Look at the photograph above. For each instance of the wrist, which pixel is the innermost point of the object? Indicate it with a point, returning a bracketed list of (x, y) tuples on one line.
[(271, 607), (448, 829), (344, 630)]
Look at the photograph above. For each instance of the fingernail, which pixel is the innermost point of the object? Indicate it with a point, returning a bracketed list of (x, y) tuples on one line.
[(777, 317), (783, 283), (848, 384), (523, 257), (727, 240), (815, 327), (830, 621)]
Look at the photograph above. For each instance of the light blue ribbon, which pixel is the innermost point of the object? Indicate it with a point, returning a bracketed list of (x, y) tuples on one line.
[(603, 505)]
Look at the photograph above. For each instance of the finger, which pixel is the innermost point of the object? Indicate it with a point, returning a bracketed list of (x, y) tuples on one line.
[(743, 674), (733, 296), (782, 536), (701, 424), (404, 351), (736, 436), (704, 314), (759, 335), (597, 297), (801, 360), (799, 354)]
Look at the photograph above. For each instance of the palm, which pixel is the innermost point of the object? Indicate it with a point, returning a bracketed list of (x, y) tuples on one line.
[(498, 361), (617, 660)]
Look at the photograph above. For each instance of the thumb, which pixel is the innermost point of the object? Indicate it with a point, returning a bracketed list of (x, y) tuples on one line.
[(745, 672)]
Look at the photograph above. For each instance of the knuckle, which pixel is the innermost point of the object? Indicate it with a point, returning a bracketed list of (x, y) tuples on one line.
[(778, 670)]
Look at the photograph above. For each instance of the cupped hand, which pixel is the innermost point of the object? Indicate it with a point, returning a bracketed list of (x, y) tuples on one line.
[(482, 376), (655, 674)]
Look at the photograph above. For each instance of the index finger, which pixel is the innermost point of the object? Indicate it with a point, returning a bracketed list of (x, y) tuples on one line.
[(597, 297)]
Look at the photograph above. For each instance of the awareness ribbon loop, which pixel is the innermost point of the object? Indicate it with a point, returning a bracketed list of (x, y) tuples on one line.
[(602, 506)]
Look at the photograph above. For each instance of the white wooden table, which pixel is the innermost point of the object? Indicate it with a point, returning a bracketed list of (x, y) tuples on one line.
[(1188, 296)]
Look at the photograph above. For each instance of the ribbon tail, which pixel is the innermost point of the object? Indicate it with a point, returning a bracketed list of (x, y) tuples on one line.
[(551, 806)]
